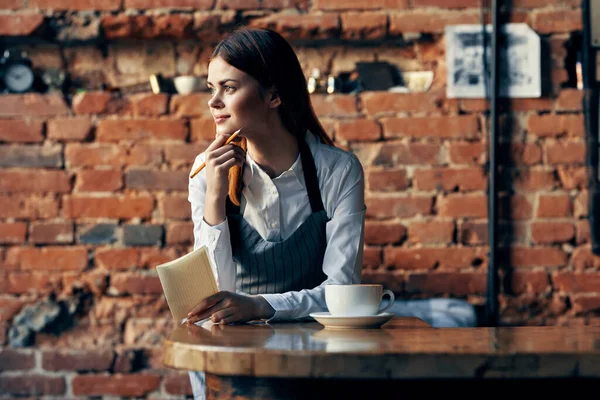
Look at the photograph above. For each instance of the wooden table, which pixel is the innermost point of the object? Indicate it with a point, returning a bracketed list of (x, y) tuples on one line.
[(302, 360)]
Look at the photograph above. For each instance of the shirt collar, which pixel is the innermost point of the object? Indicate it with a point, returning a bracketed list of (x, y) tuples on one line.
[(252, 169)]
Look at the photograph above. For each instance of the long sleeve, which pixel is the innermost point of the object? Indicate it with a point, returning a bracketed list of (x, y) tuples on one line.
[(342, 263), (215, 238)]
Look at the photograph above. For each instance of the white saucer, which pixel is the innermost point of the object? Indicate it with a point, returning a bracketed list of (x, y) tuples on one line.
[(369, 321)]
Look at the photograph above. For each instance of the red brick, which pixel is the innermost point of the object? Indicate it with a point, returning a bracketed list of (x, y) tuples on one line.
[(69, 129), (463, 206), (556, 20), (398, 206), (99, 180), (21, 24), (464, 179), (473, 232), (91, 102), (13, 4), (428, 258), (104, 5), (570, 282), (581, 205), (520, 153), (429, 21), (334, 105), (393, 153), (364, 25), (300, 26), (583, 258), (108, 207), (467, 153), (384, 232), (178, 384), (117, 259), (14, 181), (95, 282), (94, 154), (12, 232), (453, 284), (572, 177), (461, 126), (56, 258), (387, 180), (28, 206), (180, 233), (529, 282), (68, 360), (583, 233), (584, 304), (237, 4), (157, 180), (533, 179), (554, 206), (552, 232), (377, 103), (150, 257), (157, 129), (183, 155), (149, 104), (125, 385), (134, 283), (357, 130), (21, 131), (10, 306), (32, 104), (202, 129), (515, 207), (145, 154), (525, 105), (556, 125), (281, 4), (537, 257), (193, 105), (428, 232), (51, 232), (566, 153), (148, 26), (11, 359), (38, 283), (569, 100), (174, 207), (357, 4), (446, 3), (176, 4), (372, 257), (32, 384)]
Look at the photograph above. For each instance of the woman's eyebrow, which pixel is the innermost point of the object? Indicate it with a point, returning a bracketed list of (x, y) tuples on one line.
[(222, 81)]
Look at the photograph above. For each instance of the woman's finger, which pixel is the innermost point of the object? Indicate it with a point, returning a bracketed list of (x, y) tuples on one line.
[(208, 302), (220, 316), (219, 141)]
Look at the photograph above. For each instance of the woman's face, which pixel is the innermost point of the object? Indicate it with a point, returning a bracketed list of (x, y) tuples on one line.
[(236, 100)]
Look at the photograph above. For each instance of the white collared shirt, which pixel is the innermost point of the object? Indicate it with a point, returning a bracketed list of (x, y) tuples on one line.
[(276, 207)]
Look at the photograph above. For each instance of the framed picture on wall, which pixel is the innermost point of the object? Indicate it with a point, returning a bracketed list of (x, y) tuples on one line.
[(468, 58)]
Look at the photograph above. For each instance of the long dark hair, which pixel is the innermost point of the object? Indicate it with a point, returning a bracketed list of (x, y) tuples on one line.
[(269, 58)]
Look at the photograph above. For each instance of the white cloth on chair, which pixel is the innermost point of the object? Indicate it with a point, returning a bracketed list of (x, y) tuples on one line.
[(438, 312)]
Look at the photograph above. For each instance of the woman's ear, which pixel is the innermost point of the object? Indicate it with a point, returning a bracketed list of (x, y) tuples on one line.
[(274, 99)]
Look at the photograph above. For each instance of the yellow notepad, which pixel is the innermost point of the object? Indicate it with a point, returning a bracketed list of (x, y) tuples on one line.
[(186, 281)]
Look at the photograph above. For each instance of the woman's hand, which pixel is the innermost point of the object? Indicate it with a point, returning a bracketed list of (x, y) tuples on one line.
[(226, 307), (219, 159)]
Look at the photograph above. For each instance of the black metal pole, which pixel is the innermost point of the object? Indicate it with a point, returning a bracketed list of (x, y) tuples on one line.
[(590, 112), (492, 276)]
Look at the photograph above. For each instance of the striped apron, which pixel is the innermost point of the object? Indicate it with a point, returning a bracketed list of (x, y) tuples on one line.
[(292, 264)]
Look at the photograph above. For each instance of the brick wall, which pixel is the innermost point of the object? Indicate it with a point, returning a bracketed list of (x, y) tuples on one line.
[(93, 185)]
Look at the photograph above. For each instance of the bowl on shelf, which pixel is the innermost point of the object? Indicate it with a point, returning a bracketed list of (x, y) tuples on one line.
[(187, 84)]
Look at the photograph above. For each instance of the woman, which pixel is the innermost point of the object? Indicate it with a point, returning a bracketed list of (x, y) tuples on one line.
[(282, 212)]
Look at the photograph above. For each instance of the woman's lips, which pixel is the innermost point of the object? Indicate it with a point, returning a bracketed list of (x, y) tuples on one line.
[(219, 120)]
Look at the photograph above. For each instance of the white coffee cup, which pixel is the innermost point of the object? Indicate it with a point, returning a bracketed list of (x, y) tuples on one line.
[(356, 300)]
